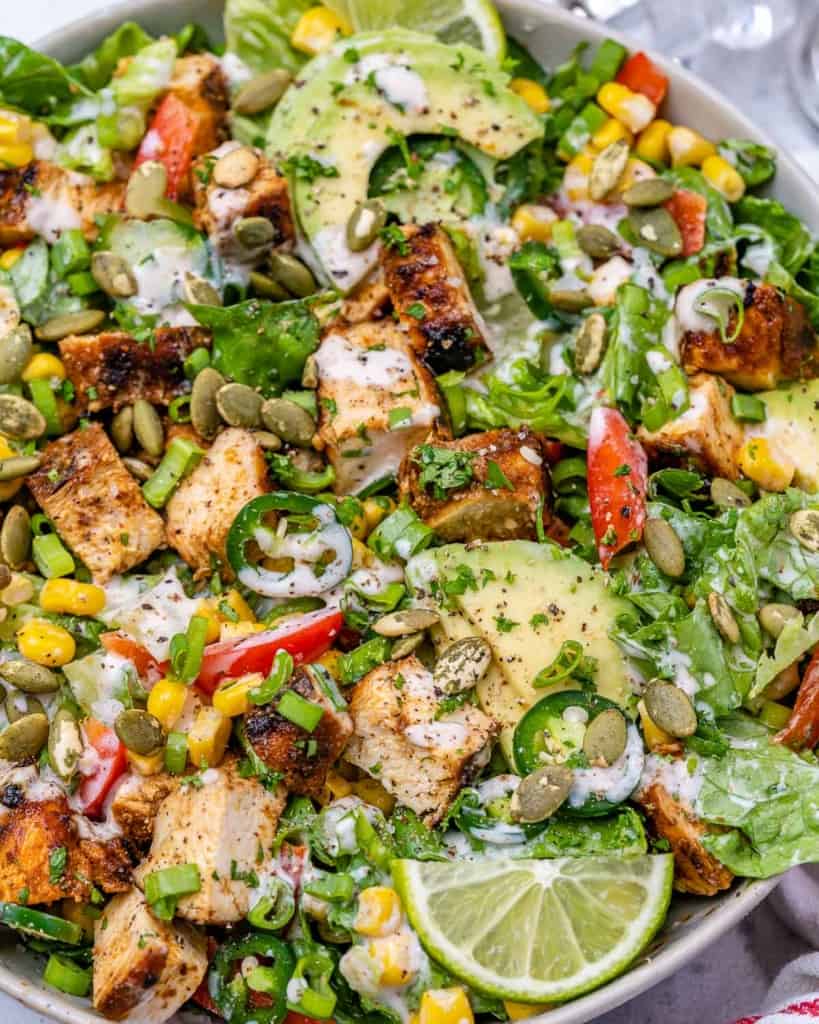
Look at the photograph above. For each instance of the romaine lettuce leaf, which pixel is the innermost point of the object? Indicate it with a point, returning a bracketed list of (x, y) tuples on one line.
[(755, 162), (258, 32), (95, 70), (33, 82), (793, 241), (795, 640), (147, 74)]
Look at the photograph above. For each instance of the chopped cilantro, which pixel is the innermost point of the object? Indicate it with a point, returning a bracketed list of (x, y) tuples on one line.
[(443, 469), (417, 310), (623, 470), (56, 864), (505, 625), (399, 417), (394, 238), (307, 168), (496, 478)]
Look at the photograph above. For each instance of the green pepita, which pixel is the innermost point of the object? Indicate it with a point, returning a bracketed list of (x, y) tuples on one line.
[(65, 746), (15, 352), (145, 190), (657, 230), (570, 300), (262, 92), (265, 286), (82, 322), (292, 274), (20, 418), (199, 291), (113, 274), (30, 677), (148, 428), (309, 375), (726, 494), (664, 547), (9, 311), (17, 466), (774, 617), (607, 169), (541, 794), (237, 168), (267, 441), (15, 537), (723, 617), (804, 525), (365, 224), (406, 621), (24, 739), (137, 468), (597, 241), (648, 192), (289, 420), (605, 737), (590, 344), (140, 731), (254, 232), (239, 405), (18, 705), (5, 576), (204, 413), (670, 709), (122, 429), (783, 683), (405, 645), (462, 665)]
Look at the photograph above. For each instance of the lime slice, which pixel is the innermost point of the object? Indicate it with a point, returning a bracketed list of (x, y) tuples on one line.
[(536, 931), (453, 21)]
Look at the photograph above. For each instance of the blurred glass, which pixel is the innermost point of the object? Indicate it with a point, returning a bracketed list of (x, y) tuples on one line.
[(803, 63)]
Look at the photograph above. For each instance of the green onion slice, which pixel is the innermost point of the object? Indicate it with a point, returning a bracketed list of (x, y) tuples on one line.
[(718, 303)]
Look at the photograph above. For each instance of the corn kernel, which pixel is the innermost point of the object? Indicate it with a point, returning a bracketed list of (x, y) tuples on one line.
[(534, 222), (331, 660), (208, 737), (19, 590), (235, 630), (81, 914), (206, 610), (522, 1011), (166, 701), (10, 257), (445, 1006), (71, 598), (146, 764), (392, 958), (612, 131), (46, 643), (363, 557), (576, 178), (655, 737), (14, 127), (317, 29), (231, 696), (10, 487), (653, 142), (376, 510), (379, 912), (636, 170), (372, 792), (531, 93), (237, 603), (338, 785), (358, 524), (44, 366), (770, 470), (688, 148), (726, 179), (16, 154), (635, 110)]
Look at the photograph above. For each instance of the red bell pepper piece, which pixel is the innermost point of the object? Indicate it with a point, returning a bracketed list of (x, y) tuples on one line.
[(689, 210), (171, 139), (144, 662), (618, 481), (802, 730), (641, 74), (111, 762), (306, 639)]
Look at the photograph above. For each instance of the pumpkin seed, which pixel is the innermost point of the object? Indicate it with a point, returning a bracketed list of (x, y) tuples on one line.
[(365, 224), (670, 709), (204, 413), (20, 418), (408, 620), (199, 291), (146, 189), (15, 537), (137, 468), (597, 241), (5, 576), (19, 591), (648, 192), (65, 744), (30, 677), (254, 232), (723, 617), (657, 230), (267, 441), (309, 375), (570, 300), (664, 547), (113, 274), (148, 428), (540, 794), (82, 322), (239, 405), (18, 705), (17, 466), (462, 665), (605, 737), (590, 344), (292, 274), (24, 739), (122, 429), (236, 168), (9, 311), (608, 169), (15, 352), (267, 287), (774, 617), (405, 645), (289, 420), (804, 525), (726, 494), (262, 92), (783, 683), (140, 731)]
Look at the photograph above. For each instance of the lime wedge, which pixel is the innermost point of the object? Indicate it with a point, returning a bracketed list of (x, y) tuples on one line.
[(453, 21), (536, 931)]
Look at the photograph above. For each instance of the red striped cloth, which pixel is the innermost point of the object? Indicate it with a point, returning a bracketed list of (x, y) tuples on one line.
[(806, 1008)]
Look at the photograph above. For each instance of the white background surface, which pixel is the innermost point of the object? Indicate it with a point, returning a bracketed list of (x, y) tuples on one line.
[(732, 978)]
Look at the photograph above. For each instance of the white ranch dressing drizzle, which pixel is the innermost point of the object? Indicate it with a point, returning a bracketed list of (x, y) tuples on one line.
[(688, 317), (615, 782)]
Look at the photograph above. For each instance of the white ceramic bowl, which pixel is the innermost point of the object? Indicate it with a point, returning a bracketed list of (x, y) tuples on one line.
[(550, 34)]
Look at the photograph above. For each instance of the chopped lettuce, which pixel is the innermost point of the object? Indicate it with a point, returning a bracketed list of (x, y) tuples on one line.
[(147, 74), (755, 162), (33, 82), (794, 243), (795, 640), (258, 32), (96, 69), (82, 151)]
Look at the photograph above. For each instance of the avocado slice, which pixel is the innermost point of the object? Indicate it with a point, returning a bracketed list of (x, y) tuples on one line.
[(356, 99), (792, 426)]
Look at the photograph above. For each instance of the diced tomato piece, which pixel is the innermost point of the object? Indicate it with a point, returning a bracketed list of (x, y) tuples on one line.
[(552, 450), (802, 730), (689, 210), (306, 639), (170, 139), (641, 74), (144, 662), (111, 762), (618, 481)]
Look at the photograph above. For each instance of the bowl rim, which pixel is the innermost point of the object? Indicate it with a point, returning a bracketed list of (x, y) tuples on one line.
[(728, 909)]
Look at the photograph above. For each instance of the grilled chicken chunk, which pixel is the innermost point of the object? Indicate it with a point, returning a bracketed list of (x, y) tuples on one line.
[(368, 301), (203, 507), (776, 343), (695, 869), (144, 969), (221, 822), (95, 503), (430, 294), (44, 199), (136, 803), (376, 401), (30, 833), (706, 433), (504, 489), (422, 761), (283, 746), (121, 369)]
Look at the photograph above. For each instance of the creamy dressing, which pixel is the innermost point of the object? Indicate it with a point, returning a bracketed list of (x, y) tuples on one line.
[(155, 615), (159, 278), (688, 317), (398, 83), (681, 777), (337, 359), (338, 259), (614, 783), (437, 735), (607, 278), (49, 216), (235, 70)]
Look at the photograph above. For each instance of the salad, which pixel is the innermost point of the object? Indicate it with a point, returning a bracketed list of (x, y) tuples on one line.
[(409, 459)]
